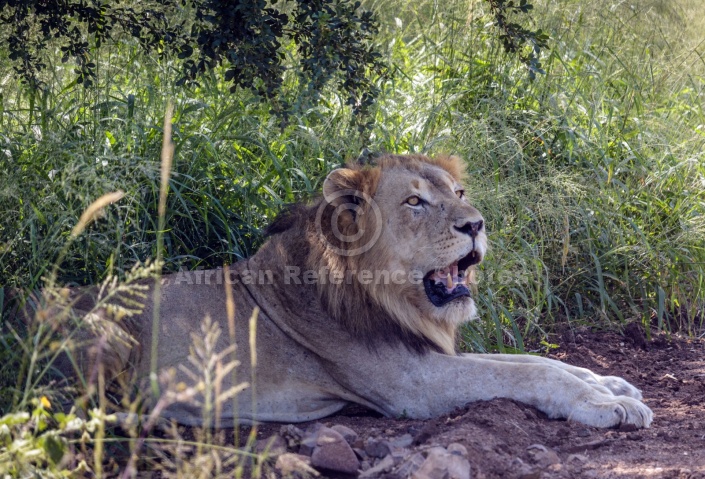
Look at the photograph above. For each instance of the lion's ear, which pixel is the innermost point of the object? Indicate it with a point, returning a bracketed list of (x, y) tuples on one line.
[(343, 184)]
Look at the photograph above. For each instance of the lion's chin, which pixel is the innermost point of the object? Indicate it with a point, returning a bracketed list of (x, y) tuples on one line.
[(455, 312)]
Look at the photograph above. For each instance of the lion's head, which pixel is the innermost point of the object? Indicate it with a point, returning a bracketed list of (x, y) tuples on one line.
[(394, 244)]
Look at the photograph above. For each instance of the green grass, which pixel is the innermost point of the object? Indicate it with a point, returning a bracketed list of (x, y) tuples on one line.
[(591, 178)]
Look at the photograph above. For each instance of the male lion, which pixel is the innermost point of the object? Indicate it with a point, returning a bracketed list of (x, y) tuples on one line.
[(360, 295)]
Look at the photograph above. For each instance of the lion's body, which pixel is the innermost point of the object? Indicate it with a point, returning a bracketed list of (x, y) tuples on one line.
[(384, 345)]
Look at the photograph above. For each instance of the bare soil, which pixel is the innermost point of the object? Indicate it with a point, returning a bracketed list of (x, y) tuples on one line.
[(503, 437)]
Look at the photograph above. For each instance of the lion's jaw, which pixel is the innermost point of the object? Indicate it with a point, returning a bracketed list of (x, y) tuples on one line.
[(425, 228)]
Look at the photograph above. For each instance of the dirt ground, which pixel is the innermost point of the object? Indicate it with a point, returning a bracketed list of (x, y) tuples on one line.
[(505, 439)]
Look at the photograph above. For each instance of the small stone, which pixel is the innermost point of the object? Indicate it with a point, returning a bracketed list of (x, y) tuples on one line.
[(385, 465), (458, 467), (308, 444), (360, 453), (457, 449), (289, 464), (291, 434), (377, 448), (332, 452), (410, 465), (405, 440), (576, 459), (348, 434), (542, 456), (583, 432), (521, 469), (272, 446), (440, 464)]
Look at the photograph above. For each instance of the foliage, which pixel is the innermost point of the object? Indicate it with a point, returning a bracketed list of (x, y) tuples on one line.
[(333, 38), (36, 443), (514, 36)]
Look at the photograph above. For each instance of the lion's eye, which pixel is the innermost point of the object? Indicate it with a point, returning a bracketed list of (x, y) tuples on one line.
[(413, 201), (460, 194)]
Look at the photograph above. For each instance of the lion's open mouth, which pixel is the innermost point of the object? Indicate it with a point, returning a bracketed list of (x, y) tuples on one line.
[(450, 283)]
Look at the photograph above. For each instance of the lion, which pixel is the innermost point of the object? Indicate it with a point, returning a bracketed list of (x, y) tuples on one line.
[(360, 294)]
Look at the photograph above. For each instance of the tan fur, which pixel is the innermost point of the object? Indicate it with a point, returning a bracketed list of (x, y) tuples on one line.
[(382, 344)]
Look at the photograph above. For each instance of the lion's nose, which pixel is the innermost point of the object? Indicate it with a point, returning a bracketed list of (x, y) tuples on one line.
[(471, 228)]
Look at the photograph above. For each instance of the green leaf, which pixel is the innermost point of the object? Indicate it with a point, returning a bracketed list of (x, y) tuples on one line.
[(54, 447)]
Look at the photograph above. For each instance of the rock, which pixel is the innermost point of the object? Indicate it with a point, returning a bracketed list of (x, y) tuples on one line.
[(332, 452), (440, 464), (457, 449), (542, 456), (402, 441), (458, 467), (273, 446), (289, 464), (410, 465), (348, 434), (385, 465), (576, 459), (291, 434), (308, 443), (377, 448), (523, 470), (360, 453)]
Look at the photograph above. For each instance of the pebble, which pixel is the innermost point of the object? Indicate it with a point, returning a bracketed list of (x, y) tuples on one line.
[(440, 464), (457, 449), (410, 465), (348, 434), (377, 448), (405, 440), (542, 456), (576, 459), (385, 465), (360, 453), (523, 470), (332, 452)]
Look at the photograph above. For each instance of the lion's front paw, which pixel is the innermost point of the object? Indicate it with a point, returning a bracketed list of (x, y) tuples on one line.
[(608, 411), (619, 387)]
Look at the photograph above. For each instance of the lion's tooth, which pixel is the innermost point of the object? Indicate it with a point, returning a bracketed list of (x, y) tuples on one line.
[(449, 281)]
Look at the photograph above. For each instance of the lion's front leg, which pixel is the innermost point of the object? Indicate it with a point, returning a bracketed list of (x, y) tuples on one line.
[(612, 384), (435, 384)]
